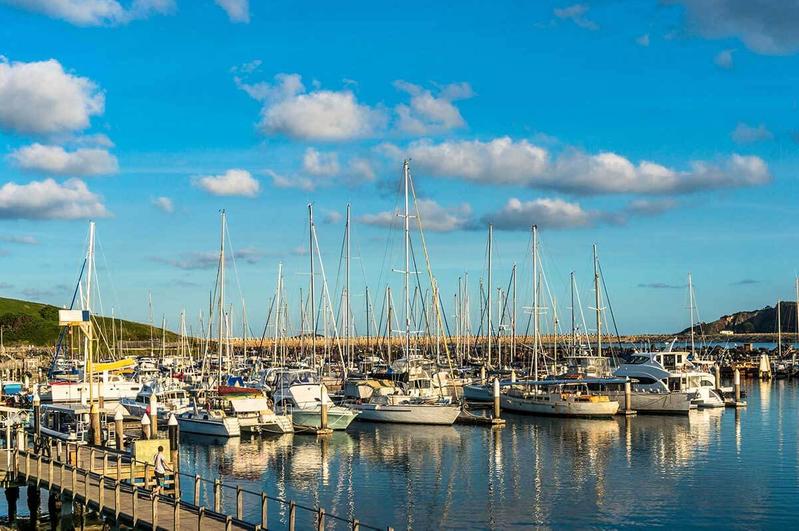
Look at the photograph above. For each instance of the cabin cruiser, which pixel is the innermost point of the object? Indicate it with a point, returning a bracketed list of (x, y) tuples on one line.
[(564, 397), (111, 386), (300, 392), (253, 412), (209, 422), (669, 373), (170, 398), (72, 422)]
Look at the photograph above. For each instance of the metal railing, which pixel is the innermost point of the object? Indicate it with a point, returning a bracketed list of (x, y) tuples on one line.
[(136, 478)]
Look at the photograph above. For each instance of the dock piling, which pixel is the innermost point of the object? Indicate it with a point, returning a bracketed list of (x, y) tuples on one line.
[(496, 398)]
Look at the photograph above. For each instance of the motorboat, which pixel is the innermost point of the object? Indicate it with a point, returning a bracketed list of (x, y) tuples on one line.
[(300, 393), (564, 398), (209, 422)]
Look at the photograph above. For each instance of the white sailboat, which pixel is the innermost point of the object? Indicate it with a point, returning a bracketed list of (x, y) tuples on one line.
[(401, 407)]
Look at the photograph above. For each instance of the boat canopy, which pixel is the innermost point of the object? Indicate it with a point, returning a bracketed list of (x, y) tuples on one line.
[(249, 405)]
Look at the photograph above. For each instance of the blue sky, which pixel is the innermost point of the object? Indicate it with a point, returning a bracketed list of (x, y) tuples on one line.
[(664, 132)]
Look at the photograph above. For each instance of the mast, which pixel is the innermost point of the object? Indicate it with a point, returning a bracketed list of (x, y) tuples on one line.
[(388, 323), (598, 308), (513, 320), (221, 302), (691, 306), (346, 316), (87, 339), (488, 288), (313, 312), (779, 329), (406, 177), (793, 350), (277, 310), (163, 336), (535, 302), (574, 324), (368, 337)]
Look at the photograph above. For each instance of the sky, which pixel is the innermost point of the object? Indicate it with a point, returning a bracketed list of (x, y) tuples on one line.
[(666, 133)]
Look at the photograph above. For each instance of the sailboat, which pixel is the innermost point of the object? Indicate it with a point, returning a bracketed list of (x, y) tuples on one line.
[(403, 407), (214, 421), (82, 384)]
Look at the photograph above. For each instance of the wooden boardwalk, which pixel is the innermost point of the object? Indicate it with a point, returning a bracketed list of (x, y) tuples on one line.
[(109, 483), (116, 497)]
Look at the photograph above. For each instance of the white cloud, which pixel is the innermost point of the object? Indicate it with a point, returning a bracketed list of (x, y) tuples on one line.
[(544, 212), (208, 259), (643, 40), (332, 217), (292, 181), (95, 12), (433, 217), (747, 134), (322, 115), (499, 161), (577, 14), (22, 239), (237, 10), (520, 163), (320, 164), (40, 97), (360, 170), (724, 59), (428, 114), (234, 182), (48, 199), (764, 26), (56, 160), (649, 207), (164, 204)]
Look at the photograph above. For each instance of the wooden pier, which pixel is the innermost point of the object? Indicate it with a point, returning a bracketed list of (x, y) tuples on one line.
[(120, 490)]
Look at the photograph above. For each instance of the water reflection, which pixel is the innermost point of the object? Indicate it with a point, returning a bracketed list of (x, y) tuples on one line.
[(535, 471)]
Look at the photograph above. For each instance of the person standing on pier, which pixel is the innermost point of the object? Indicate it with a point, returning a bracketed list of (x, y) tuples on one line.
[(160, 470)]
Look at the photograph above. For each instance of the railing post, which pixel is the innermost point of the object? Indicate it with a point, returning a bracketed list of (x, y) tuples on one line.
[(38, 469), (356, 525), (176, 514), (264, 512), (197, 490), (58, 450), (146, 475), (132, 471), (200, 516), (154, 502), (91, 460), (105, 464), (320, 520), (27, 465), (217, 495), (134, 496), (74, 481), (101, 493), (239, 504), (228, 523), (50, 473), (16, 461), (119, 468), (176, 483), (117, 493), (61, 466), (292, 513), (86, 486)]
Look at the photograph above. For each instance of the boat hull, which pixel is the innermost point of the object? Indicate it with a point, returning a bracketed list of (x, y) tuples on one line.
[(228, 428), (338, 418), (656, 403), (431, 414), (478, 393), (559, 408)]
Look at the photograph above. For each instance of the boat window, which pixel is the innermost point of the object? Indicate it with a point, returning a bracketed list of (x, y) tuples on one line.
[(644, 380), (637, 360)]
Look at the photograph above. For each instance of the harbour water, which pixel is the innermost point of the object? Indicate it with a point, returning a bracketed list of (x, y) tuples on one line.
[(713, 468)]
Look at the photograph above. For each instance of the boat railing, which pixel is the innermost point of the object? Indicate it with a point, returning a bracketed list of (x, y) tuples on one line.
[(121, 472)]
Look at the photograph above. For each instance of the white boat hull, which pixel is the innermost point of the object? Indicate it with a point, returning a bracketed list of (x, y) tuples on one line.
[(267, 424), (675, 403), (560, 408), (228, 427), (80, 391), (432, 414), (338, 418)]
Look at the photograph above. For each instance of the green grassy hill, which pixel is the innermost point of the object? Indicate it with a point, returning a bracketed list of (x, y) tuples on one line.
[(33, 323)]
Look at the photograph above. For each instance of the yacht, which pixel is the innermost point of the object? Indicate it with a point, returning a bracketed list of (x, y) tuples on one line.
[(171, 398), (210, 422), (671, 372), (113, 387), (300, 393), (253, 412), (564, 398)]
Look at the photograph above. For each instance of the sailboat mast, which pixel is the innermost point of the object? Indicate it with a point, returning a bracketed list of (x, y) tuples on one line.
[(313, 312), (277, 311), (574, 324), (535, 302), (406, 177), (388, 324), (488, 288), (793, 350), (598, 307), (513, 320), (691, 306), (779, 329), (87, 339), (221, 302), (346, 316)]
